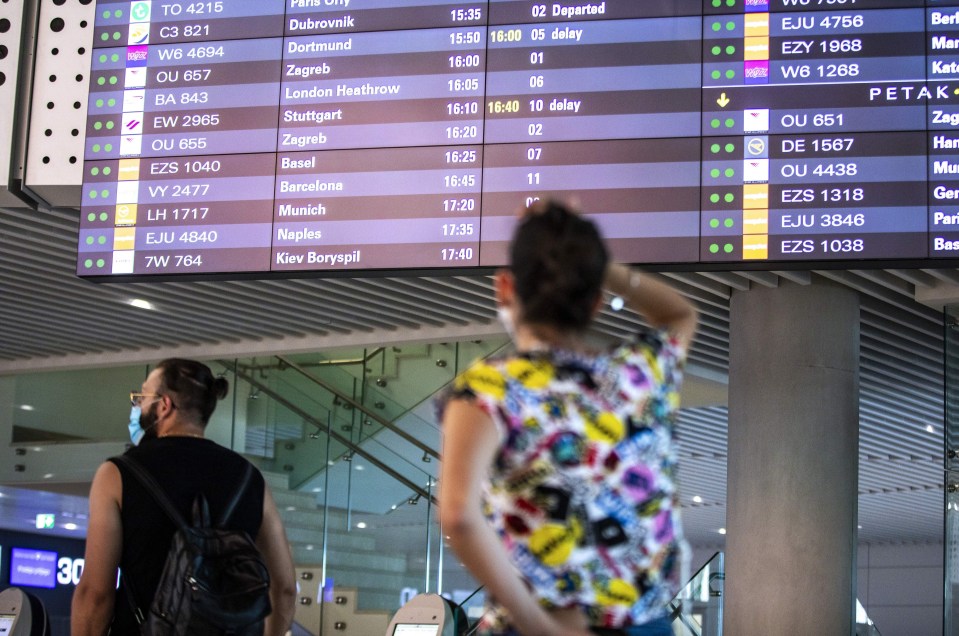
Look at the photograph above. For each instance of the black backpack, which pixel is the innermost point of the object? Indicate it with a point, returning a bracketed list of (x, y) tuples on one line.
[(214, 581)]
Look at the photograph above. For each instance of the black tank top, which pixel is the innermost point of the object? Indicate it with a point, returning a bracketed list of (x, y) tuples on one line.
[(184, 467)]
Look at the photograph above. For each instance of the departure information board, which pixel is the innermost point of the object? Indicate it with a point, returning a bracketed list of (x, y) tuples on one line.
[(252, 136)]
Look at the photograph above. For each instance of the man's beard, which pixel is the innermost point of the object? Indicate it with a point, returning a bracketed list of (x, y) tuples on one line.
[(148, 422)]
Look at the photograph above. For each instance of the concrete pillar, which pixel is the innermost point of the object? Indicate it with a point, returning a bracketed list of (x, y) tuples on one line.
[(793, 461)]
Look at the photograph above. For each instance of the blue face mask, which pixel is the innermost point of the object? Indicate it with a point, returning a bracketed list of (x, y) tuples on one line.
[(136, 431)]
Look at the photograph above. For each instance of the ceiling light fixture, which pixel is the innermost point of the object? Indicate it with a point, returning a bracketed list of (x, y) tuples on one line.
[(139, 303)]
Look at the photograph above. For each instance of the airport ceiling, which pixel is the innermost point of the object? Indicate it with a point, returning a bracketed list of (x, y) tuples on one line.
[(50, 319)]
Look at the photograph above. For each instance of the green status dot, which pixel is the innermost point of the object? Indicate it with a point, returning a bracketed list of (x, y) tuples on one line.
[(104, 216), (729, 223), (714, 198), (118, 13), (101, 81), (730, 147), (714, 148), (111, 102), (730, 197), (95, 171), (713, 249), (106, 15), (730, 172), (93, 194), (105, 37), (97, 126), (99, 103), (728, 248), (714, 173), (113, 81), (730, 3), (730, 26), (96, 147), (717, 3), (91, 217), (104, 193), (714, 223), (102, 240), (103, 58), (716, 50), (716, 75), (101, 262), (89, 240), (110, 125), (107, 171), (88, 263), (116, 35), (714, 123), (717, 26), (108, 147), (115, 57), (730, 49), (730, 74), (730, 123)]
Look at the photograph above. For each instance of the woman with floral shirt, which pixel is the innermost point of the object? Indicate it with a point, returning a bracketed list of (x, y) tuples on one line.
[(558, 483)]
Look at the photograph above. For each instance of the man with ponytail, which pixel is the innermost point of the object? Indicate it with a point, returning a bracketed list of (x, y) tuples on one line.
[(128, 529), (557, 488)]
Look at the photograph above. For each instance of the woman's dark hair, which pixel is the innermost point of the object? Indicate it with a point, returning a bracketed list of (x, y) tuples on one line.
[(192, 386), (558, 261)]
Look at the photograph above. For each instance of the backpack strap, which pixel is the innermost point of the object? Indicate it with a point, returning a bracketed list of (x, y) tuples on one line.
[(231, 506), (151, 485)]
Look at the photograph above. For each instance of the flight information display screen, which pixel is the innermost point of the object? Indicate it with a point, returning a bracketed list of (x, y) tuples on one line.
[(252, 136)]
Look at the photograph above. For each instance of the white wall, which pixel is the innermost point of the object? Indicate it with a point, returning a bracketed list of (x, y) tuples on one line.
[(901, 588)]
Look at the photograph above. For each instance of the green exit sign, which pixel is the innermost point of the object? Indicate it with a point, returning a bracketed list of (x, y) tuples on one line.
[(46, 522)]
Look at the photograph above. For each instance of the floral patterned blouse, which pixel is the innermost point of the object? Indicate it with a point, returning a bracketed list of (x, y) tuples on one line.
[(582, 492)]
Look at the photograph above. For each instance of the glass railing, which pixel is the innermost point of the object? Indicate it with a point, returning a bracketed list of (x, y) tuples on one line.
[(697, 610), (864, 625), (384, 393), (356, 440)]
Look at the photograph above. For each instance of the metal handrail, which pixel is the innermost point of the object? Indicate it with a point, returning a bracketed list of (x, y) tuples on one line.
[(353, 448), (426, 448)]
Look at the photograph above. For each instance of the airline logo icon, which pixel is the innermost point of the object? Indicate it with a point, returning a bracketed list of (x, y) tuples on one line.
[(135, 78), (756, 170), (126, 214), (757, 147), (134, 100), (756, 120), (129, 170), (755, 221), (757, 26), (753, 6), (124, 238), (755, 247), (756, 48), (139, 34), (128, 192), (140, 11), (123, 262), (131, 145), (132, 123), (755, 196), (756, 72), (137, 56)]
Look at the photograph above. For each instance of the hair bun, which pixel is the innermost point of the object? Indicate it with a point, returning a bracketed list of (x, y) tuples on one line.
[(220, 387)]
